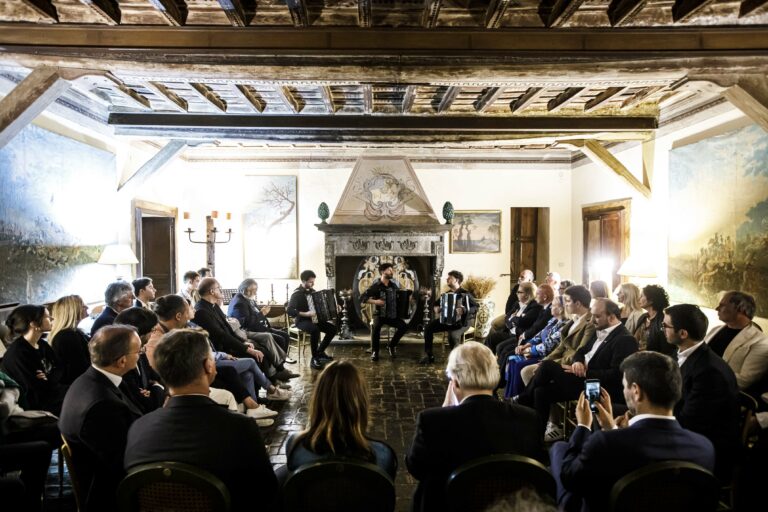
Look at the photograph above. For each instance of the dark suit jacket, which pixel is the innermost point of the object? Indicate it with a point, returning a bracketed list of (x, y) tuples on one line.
[(594, 461), (250, 318), (523, 323), (545, 315), (94, 420), (298, 302), (143, 377), (211, 318), (447, 437), (71, 349), (511, 304), (193, 429), (709, 404), (107, 317), (605, 363)]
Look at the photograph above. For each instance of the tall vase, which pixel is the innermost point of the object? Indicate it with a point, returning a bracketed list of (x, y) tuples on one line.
[(484, 317)]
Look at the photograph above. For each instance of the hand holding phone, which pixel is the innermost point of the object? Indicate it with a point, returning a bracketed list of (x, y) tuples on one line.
[(592, 393)]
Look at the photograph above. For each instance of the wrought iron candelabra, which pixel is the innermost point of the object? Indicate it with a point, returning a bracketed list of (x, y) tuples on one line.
[(345, 333), (427, 294)]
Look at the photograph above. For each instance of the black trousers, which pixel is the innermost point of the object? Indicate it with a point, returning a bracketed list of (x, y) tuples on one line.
[(32, 459), (281, 338), (378, 323), (435, 326), (550, 384), (495, 339), (314, 331)]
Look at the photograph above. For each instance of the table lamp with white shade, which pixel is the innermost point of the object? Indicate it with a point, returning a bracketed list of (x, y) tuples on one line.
[(118, 254)]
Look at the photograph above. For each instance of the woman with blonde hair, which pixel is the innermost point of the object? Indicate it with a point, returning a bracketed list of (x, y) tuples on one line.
[(338, 419), (69, 343), (628, 295)]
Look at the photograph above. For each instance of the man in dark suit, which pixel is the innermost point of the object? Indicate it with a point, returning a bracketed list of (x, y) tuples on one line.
[(191, 427), (499, 323), (302, 309), (472, 423), (96, 415), (590, 463), (709, 404), (599, 359), (144, 290), (118, 297)]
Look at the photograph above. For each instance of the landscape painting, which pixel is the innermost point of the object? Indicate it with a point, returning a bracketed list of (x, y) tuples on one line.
[(476, 231), (718, 218)]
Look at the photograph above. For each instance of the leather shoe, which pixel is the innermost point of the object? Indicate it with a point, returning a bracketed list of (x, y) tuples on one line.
[(427, 359), (316, 364), (392, 351), (285, 375), (289, 360), (322, 356), (375, 355)]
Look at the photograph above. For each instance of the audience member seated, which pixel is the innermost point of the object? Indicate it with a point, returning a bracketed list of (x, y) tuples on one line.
[(338, 419), (96, 415), (520, 320), (69, 343), (302, 308), (740, 342), (598, 359), (564, 285), (709, 404), (649, 331), (145, 292), (589, 464), (31, 362), (191, 282), (252, 317), (544, 296), (471, 424), (599, 290), (531, 352), (205, 272), (526, 276), (628, 296), (553, 279), (193, 429), (118, 297)]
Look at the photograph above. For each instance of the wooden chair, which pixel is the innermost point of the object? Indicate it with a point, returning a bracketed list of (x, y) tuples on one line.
[(669, 486), (480, 483), (339, 484), (747, 409), (172, 487), (301, 338), (77, 486)]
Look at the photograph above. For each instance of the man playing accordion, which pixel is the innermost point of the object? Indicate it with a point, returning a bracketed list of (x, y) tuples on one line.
[(302, 308), (383, 294)]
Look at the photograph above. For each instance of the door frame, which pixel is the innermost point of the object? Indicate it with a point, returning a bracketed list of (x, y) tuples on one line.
[(616, 205), (143, 209)]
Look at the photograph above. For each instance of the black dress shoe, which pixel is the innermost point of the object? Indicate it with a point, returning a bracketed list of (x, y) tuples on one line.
[(316, 364), (375, 355), (322, 356), (392, 351), (427, 359)]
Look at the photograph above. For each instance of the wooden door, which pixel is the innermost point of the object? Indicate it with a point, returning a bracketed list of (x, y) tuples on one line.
[(606, 237), (157, 253), (529, 242)]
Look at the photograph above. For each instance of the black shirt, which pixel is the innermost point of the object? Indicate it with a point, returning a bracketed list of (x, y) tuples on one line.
[(722, 339)]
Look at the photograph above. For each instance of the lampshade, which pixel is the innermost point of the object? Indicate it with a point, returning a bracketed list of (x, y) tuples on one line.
[(635, 267), (118, 254)]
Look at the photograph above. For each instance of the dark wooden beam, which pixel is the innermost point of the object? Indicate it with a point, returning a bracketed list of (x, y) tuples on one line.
[(560, 12), (602, 98), (364, 13), (448, 98), (485, 101), (44, 8), (495, 13), (288, 99), (639, 96), (430, 13), (208, 95), (367, 98), (255, 103), (327, 96), (622, 11), (408, 97), (564, 98), (109, 10), (750, 6), (299, 13), (684, 9), (177, 102), (171, 12), (531, 95), (235, 12)]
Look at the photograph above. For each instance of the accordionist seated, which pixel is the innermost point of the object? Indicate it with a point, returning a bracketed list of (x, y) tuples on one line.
[(383, 294), (301, 307)]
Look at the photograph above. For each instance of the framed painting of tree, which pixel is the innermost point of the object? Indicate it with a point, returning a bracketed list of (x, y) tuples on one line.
[(270, 229), (476, 231)]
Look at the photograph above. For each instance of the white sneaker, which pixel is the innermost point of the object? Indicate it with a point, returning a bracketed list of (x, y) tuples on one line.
[(283, 385), (553, 433), (264, 422), (261, 412), (280, 395), (241, 407)]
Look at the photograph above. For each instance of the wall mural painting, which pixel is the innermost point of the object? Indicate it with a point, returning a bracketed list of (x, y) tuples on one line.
[(476, 231), (718, 215), (270, 228), (55, 217)]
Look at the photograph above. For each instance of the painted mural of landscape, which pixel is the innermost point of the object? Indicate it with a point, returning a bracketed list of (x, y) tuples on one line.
[(718, 235), (56, 215)]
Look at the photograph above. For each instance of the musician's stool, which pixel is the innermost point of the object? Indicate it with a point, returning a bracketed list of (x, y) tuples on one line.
[(301, 338), (467, 335)]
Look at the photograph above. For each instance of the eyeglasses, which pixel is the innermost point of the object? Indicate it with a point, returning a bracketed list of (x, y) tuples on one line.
[(667, 326)]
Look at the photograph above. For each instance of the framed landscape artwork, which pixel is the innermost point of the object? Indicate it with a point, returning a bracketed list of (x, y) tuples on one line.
[(270, 229), (718, 218), (476, 231)]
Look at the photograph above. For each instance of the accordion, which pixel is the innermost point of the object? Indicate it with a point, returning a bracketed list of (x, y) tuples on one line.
[(448, 304), (325, 305), (397, 303)]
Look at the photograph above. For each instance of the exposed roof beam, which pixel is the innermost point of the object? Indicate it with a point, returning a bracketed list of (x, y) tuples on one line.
[(152, 166), (408, 97), (564, 98), (560, 12), (208, 95), (288, 99), (136, 99), (495, 13), (746, 101), (235, 12), (364, 13), (448, 98), (44, 8), (177, 102), (109, 10), (750, 6), (602, 157), (602, 98), (368, 98), (639, 96), (251, 101), (684, 9), (531, 95), (488, 98), (622, 11), (327, 95), (171, 12), (299, 13), (430, 13)]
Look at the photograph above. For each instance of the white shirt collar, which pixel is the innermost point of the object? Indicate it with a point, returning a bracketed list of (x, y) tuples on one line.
[(685, 354), (114, 379), (601, 335), (640, 417)]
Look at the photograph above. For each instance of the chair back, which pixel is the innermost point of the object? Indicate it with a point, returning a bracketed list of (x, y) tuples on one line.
[(480, 483), (229, 294), (747, 409), (666, 487), (77, 485), (172, 487), (339, 484)]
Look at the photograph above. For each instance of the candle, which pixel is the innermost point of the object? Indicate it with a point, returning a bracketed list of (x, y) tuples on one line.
[(229, 216), (186, 215), (215, 214)]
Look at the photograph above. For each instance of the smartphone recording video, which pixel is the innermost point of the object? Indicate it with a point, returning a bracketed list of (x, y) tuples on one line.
[(592, 392)]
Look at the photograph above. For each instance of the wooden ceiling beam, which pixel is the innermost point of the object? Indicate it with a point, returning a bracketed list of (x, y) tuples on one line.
[(250, 100), (622, 11), (746, 98), (44, 8), (364, 13), (602, 98), (299, 13), (602, 157), (288, 99), (367, 99), (488, 98), (639, 96), (170, 10), (408, 97), (495, 13), (177, 102), (448, 98), (564, 98), (750, 6), (327, 96), (155, 164), (685, 9), (527, 98), (430, 13), (108, 10), (207, 94), (235, 12), (137, 100), (560, 12)]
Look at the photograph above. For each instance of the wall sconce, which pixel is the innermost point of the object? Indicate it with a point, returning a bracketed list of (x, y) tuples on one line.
[(211, 231)]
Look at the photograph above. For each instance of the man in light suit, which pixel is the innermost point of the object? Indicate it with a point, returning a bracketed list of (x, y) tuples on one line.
[(590, 463), (472, 423), (96, 415), (195, 430)]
